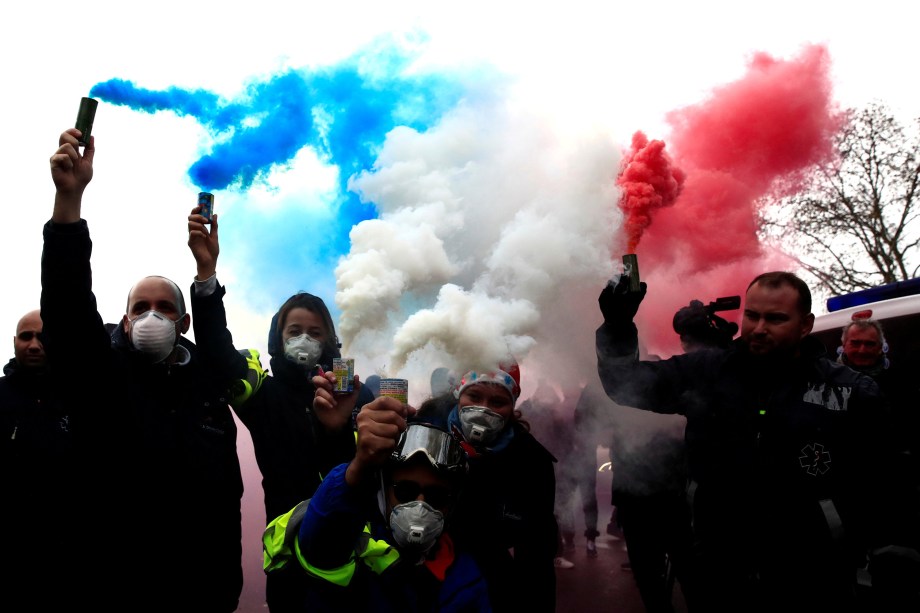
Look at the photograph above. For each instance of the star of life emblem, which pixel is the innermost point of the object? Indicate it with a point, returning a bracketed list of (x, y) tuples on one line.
[(815, 460)]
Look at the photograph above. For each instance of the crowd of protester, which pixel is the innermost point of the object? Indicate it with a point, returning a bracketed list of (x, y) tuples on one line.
[(757, 472)]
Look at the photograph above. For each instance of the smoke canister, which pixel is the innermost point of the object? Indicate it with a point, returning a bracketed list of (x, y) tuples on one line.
[(344, 369), (631, 268), (85, 117), (206, 202), (395, 388)]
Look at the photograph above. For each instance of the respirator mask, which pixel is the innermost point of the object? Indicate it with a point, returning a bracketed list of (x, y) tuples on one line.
[(154, 334), (416, 525), (303, 350), (480, 426)]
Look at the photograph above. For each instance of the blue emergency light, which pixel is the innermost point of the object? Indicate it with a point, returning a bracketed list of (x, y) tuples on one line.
[(898, 289)]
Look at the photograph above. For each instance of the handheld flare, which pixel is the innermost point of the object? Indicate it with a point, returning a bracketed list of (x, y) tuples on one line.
[(631, 268), (85, 117)]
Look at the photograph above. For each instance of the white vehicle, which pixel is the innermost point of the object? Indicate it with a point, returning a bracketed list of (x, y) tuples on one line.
[(896, 306)]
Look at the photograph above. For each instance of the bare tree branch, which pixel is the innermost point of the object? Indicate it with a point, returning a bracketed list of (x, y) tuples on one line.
[(855, 223)]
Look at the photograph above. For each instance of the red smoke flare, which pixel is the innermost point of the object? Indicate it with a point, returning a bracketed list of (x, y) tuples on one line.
[(648, 181), (749, 137)]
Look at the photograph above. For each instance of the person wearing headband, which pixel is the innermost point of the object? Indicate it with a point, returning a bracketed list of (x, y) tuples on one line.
[(508, 502), (376, 534)]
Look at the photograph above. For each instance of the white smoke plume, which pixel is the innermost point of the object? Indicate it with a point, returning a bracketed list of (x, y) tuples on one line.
[(493, 239)]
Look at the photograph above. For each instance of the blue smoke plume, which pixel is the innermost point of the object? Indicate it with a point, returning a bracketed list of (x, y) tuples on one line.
[(342, 112)]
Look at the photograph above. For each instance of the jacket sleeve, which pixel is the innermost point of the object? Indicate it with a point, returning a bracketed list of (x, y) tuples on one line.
[(213, 338), (73, 332), (657, 386), (333, 523)]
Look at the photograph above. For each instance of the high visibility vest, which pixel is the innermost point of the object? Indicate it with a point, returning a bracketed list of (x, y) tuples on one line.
[(280, 545)]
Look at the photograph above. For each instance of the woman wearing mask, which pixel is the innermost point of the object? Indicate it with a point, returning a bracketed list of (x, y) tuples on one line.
[(295, 446), (505, 515)]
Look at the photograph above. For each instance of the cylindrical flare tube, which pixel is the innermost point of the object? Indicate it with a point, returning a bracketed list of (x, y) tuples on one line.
[(631, 268), (85, 117)]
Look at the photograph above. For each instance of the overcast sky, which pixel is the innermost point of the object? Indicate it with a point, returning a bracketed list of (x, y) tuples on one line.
[(496, 119)]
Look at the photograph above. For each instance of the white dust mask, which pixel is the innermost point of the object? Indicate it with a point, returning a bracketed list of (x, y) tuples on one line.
[(303, 350), (154, 335)]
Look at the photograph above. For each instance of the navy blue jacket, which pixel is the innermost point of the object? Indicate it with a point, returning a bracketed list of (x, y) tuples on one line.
[(334, 520)]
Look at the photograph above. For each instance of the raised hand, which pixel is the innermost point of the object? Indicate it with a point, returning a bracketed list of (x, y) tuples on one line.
[(379, 424), (333, 410), (203, 242), (619, 305), (71, 173)]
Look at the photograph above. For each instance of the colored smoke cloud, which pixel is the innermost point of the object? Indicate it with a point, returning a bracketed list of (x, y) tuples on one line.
[(750, 137), (649, 182), (527, 252), (460, 227), (340, 114)]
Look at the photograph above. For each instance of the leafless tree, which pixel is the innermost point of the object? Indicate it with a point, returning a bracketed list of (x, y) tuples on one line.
[(853, 224)]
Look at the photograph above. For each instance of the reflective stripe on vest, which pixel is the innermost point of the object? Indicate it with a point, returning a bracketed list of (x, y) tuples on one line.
[(832, 517), (280, 544), (278, 537), (376, 555), (244, 389)]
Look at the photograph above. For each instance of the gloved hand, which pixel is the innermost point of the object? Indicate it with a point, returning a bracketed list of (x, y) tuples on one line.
[(618, 305)]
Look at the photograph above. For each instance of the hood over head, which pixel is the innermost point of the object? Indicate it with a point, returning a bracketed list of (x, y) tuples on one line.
[(315, 304)]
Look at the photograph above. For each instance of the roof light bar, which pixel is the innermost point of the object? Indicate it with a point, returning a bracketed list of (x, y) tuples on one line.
[(868, 296)]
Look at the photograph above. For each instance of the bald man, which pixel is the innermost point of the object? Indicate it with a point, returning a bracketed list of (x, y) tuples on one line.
[(152, 420), (37, 473)]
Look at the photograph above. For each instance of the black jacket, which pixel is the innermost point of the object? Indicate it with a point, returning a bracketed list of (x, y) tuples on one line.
[(37, 473), (291, 448), (507, 504), (788, 458), (158, 443)]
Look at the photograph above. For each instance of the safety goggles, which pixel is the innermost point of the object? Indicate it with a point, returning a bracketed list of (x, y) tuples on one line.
[(442, 450), (438, 496)]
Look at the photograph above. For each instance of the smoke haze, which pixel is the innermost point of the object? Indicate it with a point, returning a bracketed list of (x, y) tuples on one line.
[(455, 226)]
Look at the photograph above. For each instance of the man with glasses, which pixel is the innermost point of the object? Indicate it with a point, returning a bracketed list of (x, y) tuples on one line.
[(375, 536)]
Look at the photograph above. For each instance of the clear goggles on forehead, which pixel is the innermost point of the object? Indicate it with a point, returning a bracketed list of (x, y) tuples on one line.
[(441, 449)]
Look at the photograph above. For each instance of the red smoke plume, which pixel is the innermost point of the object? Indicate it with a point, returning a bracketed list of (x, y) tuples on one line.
[(749, 137), (648, 182)]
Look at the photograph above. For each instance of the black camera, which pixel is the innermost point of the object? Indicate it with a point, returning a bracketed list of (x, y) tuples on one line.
[(698, 322)]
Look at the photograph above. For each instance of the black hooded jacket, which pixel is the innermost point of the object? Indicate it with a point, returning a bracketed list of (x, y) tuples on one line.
[(293, 450)]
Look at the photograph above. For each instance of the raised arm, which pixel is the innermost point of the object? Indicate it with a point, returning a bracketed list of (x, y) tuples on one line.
[(209, 317), (73, 331), (339, 509)]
